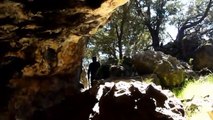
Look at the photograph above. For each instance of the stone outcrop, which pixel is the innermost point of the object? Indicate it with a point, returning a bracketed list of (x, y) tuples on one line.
[(203, 57), (189, 46), (124, 99), (170, 70), (131, 100), (185, 49), (74, 107), (41, 47)]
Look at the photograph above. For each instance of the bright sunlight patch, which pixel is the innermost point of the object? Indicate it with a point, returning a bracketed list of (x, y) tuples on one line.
[(197, 96)]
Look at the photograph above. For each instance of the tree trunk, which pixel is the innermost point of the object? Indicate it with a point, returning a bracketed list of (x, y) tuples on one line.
[(120, 32), (120, 49), (155, 37), (155, 40)]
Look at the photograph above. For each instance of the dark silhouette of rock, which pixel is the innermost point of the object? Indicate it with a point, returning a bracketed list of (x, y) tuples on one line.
[(9, 67), (189, 46), (75, 107), (185, 49), (128, 66), (203, 57), (103, 72), (133, 100), (117, 71)]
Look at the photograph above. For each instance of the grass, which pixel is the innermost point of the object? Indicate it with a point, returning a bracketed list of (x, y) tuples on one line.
[(197, 88), (196, 91)]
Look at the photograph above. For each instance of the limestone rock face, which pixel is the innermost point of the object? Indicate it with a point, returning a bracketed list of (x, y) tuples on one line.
[(41, 47), (46, 34), (170, 70), (131, 100), (203, 57)]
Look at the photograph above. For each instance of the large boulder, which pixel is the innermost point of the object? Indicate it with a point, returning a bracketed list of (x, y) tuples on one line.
[(133, 100), (41, 47), (189, 45), (74, 107), (124, 99), (183, 49), (170, 70), (203, 57)]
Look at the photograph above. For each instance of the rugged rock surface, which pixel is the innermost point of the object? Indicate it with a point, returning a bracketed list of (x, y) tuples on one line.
[(131, 100), (203, 57), (74, 107), (121, 100), (41, 47), (184, 50), (170, 70), (189, 46)]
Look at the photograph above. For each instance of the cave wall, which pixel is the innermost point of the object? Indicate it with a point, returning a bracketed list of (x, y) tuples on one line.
[(41, 47)]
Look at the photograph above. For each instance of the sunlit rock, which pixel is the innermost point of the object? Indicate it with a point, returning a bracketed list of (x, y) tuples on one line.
[(170, 70)]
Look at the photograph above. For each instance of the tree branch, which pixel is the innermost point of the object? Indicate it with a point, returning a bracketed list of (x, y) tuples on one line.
[(202, 18), (186, 24)]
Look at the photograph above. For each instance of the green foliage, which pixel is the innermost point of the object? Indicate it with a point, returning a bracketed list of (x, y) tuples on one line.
[(124, 34), (210, 78), (141, 23), (155, 14), (127, 31)]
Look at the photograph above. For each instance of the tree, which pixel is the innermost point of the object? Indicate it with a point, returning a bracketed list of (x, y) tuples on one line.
[(155, 14), (133, 26), (193, 23), (196, 25), (123, 35)]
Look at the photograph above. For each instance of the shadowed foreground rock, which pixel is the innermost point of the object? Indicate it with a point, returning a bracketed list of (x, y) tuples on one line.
[(123, 100), (75, 107), (136, 101)]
